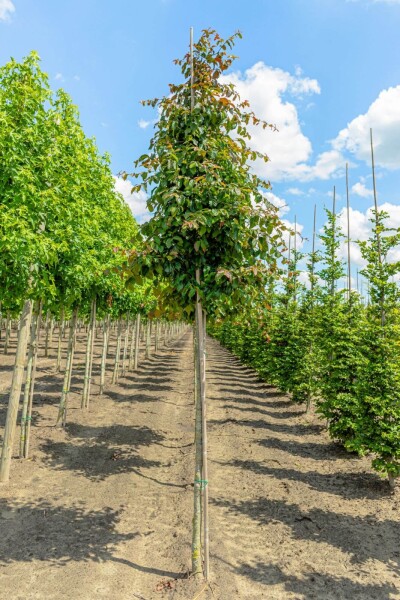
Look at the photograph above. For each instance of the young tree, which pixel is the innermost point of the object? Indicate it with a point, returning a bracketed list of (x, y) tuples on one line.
[(212, 230)]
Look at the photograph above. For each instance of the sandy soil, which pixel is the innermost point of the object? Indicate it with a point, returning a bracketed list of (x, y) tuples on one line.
[(102, 510)]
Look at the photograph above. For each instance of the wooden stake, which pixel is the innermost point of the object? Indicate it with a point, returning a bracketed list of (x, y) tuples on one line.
[(106, 333), (28, 378), (313, 250), (348, 233), (62, 409), (333, 235), (13, 403), (137, 342), (117, 352)]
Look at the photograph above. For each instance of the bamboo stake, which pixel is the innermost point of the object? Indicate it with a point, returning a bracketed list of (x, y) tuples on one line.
[(348, 232), (60, 336), (197, 508), (51, 331), (132, 347), (13, 403), (88, 358), (28, 378), (295, 260), (117, 352), (378, 237), (148, 338), (126, 340), (8, 333), (391, 478), (333, 236), (106, 333), (62, 409), (156, 337), (313, 251), (28, 422), (204, 447), (137, 342), (93, 326)]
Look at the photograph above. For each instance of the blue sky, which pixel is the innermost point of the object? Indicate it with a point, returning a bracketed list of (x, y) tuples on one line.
[(323, 70)]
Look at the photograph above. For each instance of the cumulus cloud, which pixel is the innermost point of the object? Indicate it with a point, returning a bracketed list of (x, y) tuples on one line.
[(280, 203), (135, 201), (383, 116), (295, 240), (295, 192), (361, 227), (360, 189), (271, 93), (6, 9)]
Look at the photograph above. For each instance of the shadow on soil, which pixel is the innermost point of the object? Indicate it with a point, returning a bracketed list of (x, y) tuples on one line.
[(313, 584), (99, 452), (58, 534), (360, 537)]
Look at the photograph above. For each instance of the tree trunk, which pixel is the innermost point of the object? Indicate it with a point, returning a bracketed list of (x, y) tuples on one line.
[(156, 337), (62, 410), (8, 332), (30, 405), (126, 340), (60, 336), (196, 532), (89, 357), (132, 348), (28, 388), (148, 338), (117, 352), (104, 353), (137, 342), (15, 393)]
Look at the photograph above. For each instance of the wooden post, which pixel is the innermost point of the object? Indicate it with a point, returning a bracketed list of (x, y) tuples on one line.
[(106, 333), (132, 347), (137, 342), (148, 338), (126, 340), (13, 403), (62, 410), (93, 325), (117, 352), (348, 232), (28, 378), (60, 336)]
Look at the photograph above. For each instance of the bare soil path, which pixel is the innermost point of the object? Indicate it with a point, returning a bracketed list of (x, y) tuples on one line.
[(103, 509)]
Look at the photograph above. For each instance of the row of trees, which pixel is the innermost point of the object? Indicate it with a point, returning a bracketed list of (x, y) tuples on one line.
[(324, 345), (64, 234)]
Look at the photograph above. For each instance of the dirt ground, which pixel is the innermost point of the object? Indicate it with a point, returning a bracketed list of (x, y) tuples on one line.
[(103, 509)]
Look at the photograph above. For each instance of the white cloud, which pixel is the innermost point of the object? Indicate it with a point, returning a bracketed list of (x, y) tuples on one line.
[(77, 78), (360, 190), (295, 192), (383, 116), (361, 227), (59, 77), (6, 9), (280, 203), (269, 91), (291, 226), (135, 201), (143, 124)]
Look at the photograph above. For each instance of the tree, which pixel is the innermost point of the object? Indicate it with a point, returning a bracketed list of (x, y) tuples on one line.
[(212, 231)]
